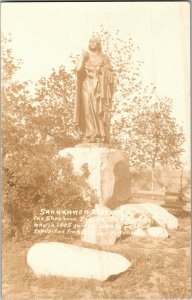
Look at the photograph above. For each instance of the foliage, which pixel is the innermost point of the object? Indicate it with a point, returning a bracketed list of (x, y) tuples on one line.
[(37, 184), (40, 123), (9, 64), (155, 136), (34, 129), (54, 106), (16, 107)]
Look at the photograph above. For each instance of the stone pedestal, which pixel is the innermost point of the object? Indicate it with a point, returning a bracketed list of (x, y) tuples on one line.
[(108, 172)]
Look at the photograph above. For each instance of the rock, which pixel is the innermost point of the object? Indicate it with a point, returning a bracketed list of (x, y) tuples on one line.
[(101, 230), (161, 216), (59, 259), (108, 172), (133, 217), (101, 210), (139, 233), (101, 227), (158, 232)]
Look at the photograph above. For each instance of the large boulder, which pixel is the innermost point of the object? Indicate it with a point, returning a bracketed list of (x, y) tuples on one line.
[(133, 216), (139, 233), (158, 232), (160, 215), (59, 259), (104, 225), (101, 228)]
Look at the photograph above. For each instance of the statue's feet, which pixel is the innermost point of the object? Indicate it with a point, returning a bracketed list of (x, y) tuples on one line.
[(102, 139), (90, 139), (96, 139), (86, 139)]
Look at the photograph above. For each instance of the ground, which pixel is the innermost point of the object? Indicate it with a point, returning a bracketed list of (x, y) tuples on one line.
[(160, 270)]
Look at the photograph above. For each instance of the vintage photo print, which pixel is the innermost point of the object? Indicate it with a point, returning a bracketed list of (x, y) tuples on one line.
[(95, 150)]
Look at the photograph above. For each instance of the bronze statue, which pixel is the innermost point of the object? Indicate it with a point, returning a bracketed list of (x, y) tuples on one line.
[(94, 93)]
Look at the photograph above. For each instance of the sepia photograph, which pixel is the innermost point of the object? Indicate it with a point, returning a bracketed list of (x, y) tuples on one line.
[(96, 150)]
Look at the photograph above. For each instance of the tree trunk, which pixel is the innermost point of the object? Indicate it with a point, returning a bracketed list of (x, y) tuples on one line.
[(153, 177)]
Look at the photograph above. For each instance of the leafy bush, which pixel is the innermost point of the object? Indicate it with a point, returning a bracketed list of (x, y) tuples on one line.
[(40, 182)]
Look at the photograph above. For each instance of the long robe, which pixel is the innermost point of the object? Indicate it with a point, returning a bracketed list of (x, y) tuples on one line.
[(94, 93)]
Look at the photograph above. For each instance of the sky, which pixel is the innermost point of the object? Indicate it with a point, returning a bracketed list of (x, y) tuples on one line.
[(45, 34)]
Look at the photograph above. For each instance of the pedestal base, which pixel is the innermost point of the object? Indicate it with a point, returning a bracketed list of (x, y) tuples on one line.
[(108, 172)]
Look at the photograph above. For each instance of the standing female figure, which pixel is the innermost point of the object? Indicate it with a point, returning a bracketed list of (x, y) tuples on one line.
[(94, 93)]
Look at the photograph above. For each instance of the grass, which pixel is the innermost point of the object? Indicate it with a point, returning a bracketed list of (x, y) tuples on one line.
[(160, 270)]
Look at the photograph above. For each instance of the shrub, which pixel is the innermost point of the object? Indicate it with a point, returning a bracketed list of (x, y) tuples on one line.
[(40, 182)]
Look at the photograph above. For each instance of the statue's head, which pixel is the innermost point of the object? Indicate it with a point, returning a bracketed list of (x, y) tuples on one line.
[(94, 44)]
